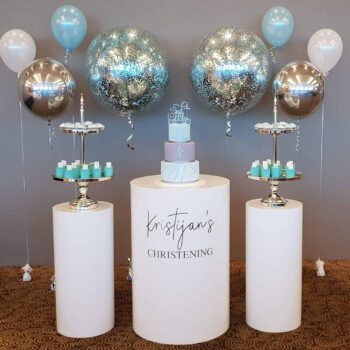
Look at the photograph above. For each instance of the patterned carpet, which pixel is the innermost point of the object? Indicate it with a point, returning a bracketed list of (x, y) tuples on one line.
[(27, 315)]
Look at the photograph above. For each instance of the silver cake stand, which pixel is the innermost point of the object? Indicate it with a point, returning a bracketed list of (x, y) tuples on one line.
[(83, 202), (274, 199)]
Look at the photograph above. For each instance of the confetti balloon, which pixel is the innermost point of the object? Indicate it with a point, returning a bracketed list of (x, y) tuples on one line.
[(231, 70), (46, 87), (299, 87), (127, 71)]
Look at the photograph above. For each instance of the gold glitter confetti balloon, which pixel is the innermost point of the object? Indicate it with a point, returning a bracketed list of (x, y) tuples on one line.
[(127, 71), (231, 70)]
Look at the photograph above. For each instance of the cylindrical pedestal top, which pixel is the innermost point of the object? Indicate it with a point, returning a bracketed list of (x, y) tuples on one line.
[(273, 266), (180, 256), (84, 270)]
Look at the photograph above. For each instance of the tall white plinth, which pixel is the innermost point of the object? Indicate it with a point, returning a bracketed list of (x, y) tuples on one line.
[(84, 270), (273, 266), (180, 256)]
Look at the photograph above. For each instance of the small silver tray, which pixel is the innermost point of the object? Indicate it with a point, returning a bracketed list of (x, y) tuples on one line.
[(81, 131), (298, 176), (99, 179), (275, 128)]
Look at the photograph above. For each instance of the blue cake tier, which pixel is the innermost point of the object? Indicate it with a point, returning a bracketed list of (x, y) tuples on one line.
[(179, 132)]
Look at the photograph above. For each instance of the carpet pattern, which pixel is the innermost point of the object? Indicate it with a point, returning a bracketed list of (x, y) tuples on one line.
[(27, 315)]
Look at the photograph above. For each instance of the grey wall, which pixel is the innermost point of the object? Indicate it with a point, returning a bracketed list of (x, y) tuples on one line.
[(180, 25)]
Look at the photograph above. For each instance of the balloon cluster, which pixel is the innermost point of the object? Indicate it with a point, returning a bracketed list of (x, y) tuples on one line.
[(46, 87), (127, 71), (299, 86)]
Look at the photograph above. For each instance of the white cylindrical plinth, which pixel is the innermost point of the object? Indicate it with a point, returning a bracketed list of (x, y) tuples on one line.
[(180, 257), (84, 270), (273, 266)]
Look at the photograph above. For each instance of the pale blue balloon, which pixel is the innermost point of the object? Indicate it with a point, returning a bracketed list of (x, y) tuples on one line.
[(69, 26), (277, 26)]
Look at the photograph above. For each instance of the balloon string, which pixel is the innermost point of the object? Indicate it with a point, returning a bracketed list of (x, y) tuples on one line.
[(68, 62), (273, 55), (132, 133), (74, 145), (321, 171), (228, 125), (74, 154), (24, 182), (297, 145)]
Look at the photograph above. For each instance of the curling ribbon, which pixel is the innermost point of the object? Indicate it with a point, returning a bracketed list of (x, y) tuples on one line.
[(228, 125), (132, 133), (67, 59), (51, 133), (272, 52)]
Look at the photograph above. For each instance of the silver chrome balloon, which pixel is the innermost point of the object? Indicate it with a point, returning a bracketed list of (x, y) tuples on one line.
[(231, 70), (126, 70), (46, 87), (299, 88)]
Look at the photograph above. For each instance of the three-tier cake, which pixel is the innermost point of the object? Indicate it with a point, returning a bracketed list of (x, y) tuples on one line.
[(179, 165)]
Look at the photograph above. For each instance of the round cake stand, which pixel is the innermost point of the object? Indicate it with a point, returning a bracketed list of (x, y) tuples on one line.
[(83, 201)]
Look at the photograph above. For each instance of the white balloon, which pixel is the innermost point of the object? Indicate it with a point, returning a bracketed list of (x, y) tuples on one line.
[(17, 49), (325, 49)]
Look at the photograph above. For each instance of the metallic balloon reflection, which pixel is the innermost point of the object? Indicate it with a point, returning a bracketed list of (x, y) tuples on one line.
[(127, 71), (299, 87), (231, 70), (46, 87)]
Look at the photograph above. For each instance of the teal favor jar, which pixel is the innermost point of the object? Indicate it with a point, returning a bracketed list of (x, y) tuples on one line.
[(108, 170), (265, 170), (85, 172), (96, 171), (60, 170), (68, 173), (255, 169), (290, 169), (276, 171)]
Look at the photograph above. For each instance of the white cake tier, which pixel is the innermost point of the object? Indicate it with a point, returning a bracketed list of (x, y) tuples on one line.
[(179, 172)]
